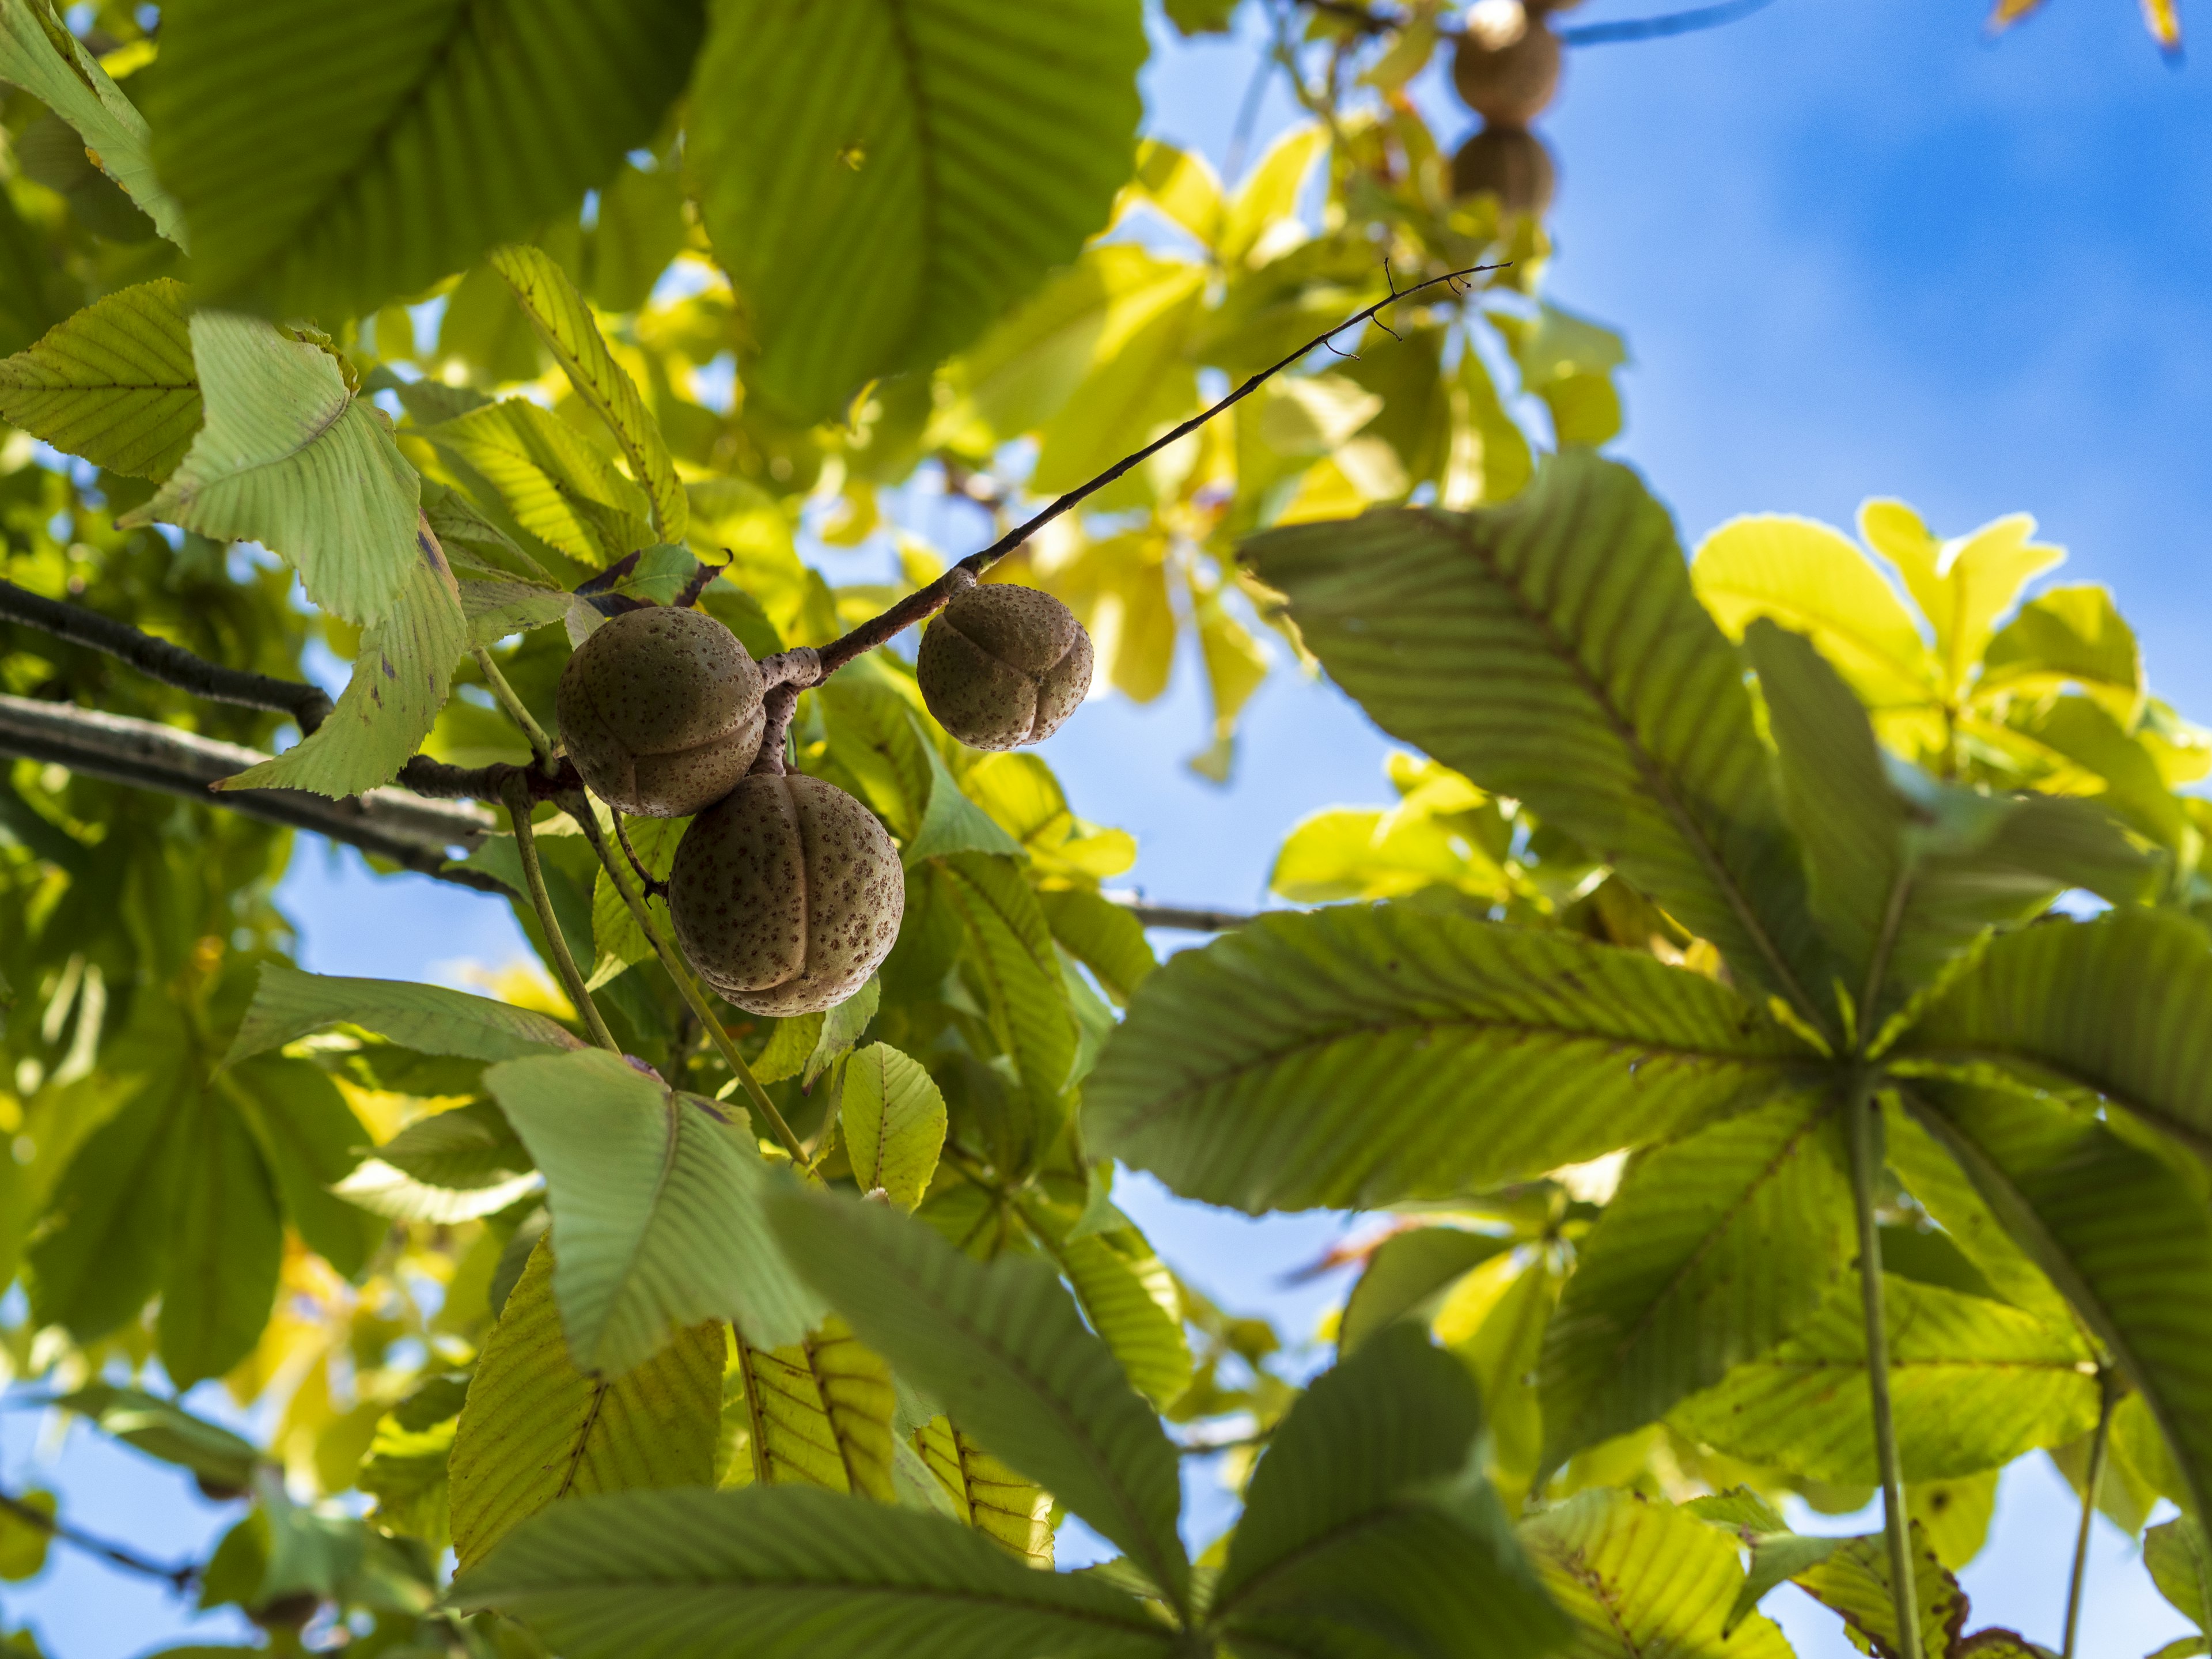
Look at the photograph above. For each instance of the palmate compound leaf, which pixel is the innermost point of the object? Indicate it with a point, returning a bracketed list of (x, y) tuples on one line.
[(969, 144), (535, 1430), (1715, 1248), (564, 321), (399, 679), (290, 457), (288, 1004), (788, 1573), (1906, 872), (1360, 1054), (818, 1414), (657, 1207), (1638, 1577), (1975, 1384), (2122, 1233), (1369, 1513), (1551, 649), (455, 125), (2120, 1006), (1002, 1347), (114, 383)]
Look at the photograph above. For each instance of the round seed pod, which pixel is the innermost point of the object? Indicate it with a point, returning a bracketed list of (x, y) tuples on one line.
[(1512, 83), (1511, 163), (1003, 666), (786, 895), (661, 710)]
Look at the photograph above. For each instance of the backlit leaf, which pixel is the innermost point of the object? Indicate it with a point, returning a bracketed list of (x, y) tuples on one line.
[(820, 1414), (114, 383), (1962, 586), (1409, 1275), (288, 1004), (893, 1119), (1013, 1513), (558, 487)]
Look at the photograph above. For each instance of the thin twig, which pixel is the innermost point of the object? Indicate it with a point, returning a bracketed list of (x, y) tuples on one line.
[(2100, 1448), (1659, 27), (654, 887), (1178, 916), (525, 842), (179, 1578)]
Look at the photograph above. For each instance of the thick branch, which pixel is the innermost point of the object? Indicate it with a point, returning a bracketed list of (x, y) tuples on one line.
[(158, 659)]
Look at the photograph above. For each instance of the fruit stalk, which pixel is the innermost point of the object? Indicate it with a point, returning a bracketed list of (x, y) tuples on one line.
[(517, 710), (580, 809), (517, 795), (2101, 1449)]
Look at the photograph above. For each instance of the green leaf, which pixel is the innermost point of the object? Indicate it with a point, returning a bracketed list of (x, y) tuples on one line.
[(1714, 1248), (311, 1141), (1001, 1345), (2121, 1007), (1129, 1298), (2180, 1563), (113, 383), (288, 1004), (1903, 882), (406, 1472), (303, 163), (162, 1429), (1853, 1581), (2069, 636), (2121, 1232), (1014, 1513), (615, 936), (1934, 1178), (1954, 1516), (560, 488), (1103, 935), (98, 1252), (23, 1543), (791, 1574), (1020, 970), (951, 823), (1364, 1515), (820, 1414), (535, 1430), (289, 458), (1355, 1056), (398, 684), (842, 1027), (38, 54), (657, 1209), (1636, 1576), (840, 144), (893, 1120), (564, 322), (1409, 1275), (219, 1263), (1551, 649), (1975, 1384)]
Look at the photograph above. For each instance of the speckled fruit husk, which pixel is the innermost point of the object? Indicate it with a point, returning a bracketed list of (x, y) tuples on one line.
[(1003, 666), (1511, 85), (1509, 163), (661, 710), (787, 895)]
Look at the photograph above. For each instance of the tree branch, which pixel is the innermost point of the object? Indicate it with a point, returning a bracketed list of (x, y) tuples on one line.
[(179, 1579), (1178, 916)]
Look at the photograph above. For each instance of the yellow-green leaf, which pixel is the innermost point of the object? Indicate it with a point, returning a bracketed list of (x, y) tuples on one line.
[(1962, 586), (893, 1121), (114, 383), (1013, 1513), (558, 487), (820, 1411)]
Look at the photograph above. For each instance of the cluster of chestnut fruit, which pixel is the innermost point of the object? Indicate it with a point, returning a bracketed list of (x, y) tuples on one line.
[(1506, 70), (785, 892)]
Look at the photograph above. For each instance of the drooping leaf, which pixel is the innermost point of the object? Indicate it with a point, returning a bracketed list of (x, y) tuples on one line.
[(1002, 1347), (564, 322), (820, 1413), (791, 1574), (892, 1118), (1954, 1516), (842, 1027), (2120, 1232), (559, 487), (1714, 1248), (113, 383), (500, 114), (535, 1430), (657, 1210), (1975, 1384), (163, 1429), (221, 1261), (39, 53), (288, 457), (1776, 1553), (2121, 1007), (972, 145), (1638, 1576), (1014, 1513), (97, 1254), (1364, 1514), (1357, 1055), (311, 1140), (1409, 1275), (288, 1004), (1020, 970), (1551, 649), (398, 686)]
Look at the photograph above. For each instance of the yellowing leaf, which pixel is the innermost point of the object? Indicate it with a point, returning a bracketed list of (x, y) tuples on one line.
[(1182, 185), (819, 1413), (288, 457), (893, 1121), (987, 1495), (114, 383)]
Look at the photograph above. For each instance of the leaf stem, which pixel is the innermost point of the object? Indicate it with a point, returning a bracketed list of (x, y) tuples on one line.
[(1863, 1128), (517, 795), (580, 809), (2101, 1446), (540, 745)]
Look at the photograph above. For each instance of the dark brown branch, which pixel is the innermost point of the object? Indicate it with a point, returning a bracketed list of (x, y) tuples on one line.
[(158, 659), (1177, 917), (927, 602), (179, 1578)]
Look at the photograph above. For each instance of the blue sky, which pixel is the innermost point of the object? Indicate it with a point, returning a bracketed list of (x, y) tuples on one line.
[(1855, 250)]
